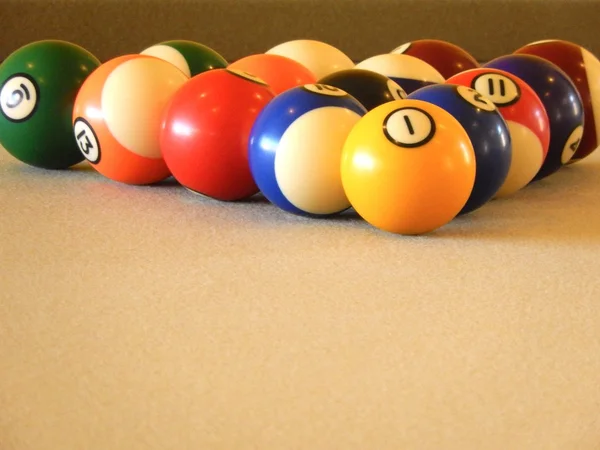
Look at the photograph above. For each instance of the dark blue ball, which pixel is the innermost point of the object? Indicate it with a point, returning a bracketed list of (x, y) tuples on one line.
[(560, 98), (409, 85), (487, 130), (289, 112)]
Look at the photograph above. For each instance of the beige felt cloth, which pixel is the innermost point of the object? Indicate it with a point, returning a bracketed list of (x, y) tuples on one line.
[(148, 318)]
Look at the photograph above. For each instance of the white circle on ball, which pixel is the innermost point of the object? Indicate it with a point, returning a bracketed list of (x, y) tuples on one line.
[(169, 54), (133, 99), (87, 140), (19, 97), (476, 98), (247, 76), (325, 89), (500, 89), (307, 162), (572, 144), (397, 92), (409, 127)]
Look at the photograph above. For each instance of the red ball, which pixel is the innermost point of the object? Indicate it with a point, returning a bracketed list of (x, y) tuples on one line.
[(525, 116), (280, 72), (583, 68), (449, 59), (205, 131)]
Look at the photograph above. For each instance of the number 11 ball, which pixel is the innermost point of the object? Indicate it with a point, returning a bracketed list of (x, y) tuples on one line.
[(38, 86), (408, 167)]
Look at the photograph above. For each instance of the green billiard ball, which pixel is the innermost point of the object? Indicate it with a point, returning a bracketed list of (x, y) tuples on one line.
[(192, 58), (38, 86)]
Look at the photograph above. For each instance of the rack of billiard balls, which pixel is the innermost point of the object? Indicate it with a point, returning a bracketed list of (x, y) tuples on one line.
[(409, 139)]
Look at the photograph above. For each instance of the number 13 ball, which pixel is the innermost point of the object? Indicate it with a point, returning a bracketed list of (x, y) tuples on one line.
[(408, 167), (117, 117)]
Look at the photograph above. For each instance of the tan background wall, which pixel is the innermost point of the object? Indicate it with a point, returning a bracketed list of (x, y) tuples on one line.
[(359, 27)]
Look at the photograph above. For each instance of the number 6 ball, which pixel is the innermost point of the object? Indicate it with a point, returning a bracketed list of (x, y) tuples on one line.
[(488, 133), (38, 86)]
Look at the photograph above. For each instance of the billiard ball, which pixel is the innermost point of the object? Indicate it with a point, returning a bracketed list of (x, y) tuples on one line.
[(117, 117), (487, 131), (295, 148), (279, 72), (205, 131), (408, 167), (370, 88), (409, 72), (319, 57), (583, 68), (190, 57), (38, 85), (561, 101), (448, 58), (525, 116)]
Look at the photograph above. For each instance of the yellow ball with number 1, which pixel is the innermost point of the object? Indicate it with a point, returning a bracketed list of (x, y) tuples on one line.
[(408, 167)]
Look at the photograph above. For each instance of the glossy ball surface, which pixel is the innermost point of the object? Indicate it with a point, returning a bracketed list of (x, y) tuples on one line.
[(561, 101), (487, 131), (583, 68), (409, 72), (525, 116), (279, 72), (318, 57), (38, 86), (117, 117), (296, 145), (371, 89), (408, 167), (190, 57), (205, 132), (447, 58)]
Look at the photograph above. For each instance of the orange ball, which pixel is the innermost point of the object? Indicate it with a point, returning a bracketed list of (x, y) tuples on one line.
[(117, 117), (279, 72), (408, 167)]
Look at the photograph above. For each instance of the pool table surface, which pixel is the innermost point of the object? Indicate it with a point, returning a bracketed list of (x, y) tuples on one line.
[(152, 318)]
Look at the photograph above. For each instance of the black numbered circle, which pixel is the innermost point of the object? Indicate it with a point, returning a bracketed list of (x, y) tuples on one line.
[(572, 144), (409, 127), (325, 89), (499, 88), (87, 140), (19, 97), (476, 98), (247, 76), (397, 92)]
